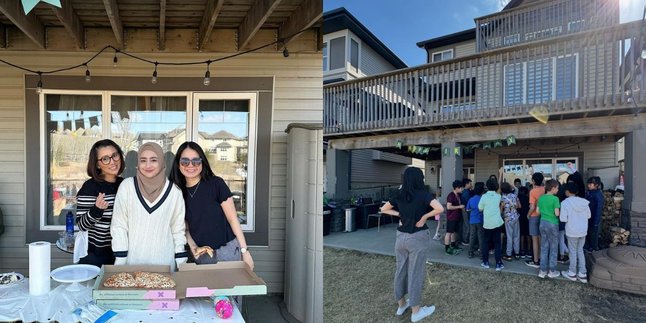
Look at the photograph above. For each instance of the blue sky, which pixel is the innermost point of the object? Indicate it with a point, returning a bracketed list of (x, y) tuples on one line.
[(401, 24)]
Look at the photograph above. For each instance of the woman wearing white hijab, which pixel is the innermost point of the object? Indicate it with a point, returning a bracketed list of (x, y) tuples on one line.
[(148, 218)]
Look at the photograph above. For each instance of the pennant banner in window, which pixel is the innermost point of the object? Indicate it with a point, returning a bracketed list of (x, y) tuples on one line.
[(511, 140), (497, 143)]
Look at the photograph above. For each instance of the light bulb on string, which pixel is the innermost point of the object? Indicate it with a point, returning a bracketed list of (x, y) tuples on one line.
[(154, 79), (39, 87), (207, 75), (115, 60), (88, 78)]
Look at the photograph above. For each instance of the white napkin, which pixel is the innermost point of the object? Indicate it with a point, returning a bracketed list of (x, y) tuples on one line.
[(80, 246)]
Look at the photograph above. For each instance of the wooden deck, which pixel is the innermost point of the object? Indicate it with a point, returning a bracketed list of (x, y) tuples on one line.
[(592, 73)]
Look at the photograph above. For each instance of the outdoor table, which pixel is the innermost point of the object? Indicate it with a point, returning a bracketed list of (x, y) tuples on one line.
[(16, 304)]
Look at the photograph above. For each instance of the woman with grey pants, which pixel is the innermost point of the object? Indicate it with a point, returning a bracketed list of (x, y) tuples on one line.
[(413, 241)]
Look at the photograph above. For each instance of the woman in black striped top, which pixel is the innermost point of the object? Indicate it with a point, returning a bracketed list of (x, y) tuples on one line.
[(95, 200)]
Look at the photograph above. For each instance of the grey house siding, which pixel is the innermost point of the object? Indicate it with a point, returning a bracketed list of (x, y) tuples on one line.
[(372, 63), (368, 172)]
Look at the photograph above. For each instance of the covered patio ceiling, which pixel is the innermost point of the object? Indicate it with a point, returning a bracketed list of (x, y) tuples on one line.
[(116, 21)]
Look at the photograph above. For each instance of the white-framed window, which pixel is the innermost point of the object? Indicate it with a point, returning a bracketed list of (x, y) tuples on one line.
[(224, 150), (558, 168), (337, 53), (354, 54), (223, 158), (74, 120), (442, 55), (326, 64), (540, 81)]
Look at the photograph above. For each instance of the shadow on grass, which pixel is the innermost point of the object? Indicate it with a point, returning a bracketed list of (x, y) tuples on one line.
[(358, 287)]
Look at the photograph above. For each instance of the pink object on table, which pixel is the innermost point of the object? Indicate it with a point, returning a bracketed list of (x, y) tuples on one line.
[(223, 307)]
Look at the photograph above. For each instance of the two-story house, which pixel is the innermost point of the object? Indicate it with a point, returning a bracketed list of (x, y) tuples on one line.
[(542, 85), (351, 51)]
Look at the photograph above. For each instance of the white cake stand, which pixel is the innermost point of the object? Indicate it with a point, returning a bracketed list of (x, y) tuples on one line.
[(74, 274)]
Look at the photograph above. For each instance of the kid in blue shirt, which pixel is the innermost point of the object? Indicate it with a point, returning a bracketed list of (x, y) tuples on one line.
[(475, 220)]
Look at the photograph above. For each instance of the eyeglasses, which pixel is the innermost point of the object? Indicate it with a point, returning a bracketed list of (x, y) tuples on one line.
[(105, 160), (195, 161)]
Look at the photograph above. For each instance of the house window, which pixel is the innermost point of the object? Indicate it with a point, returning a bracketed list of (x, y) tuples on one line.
[(73, 123), (75, 120), (511, 39), (337, 53), (226, 122), (514, 84), (354, 54), (540, 81), (325, 57), (442, 56), (551, 168)]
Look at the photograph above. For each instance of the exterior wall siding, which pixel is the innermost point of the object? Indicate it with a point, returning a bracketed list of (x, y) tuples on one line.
[(367, 172), (372, 63), (297, 98), (460, 49)]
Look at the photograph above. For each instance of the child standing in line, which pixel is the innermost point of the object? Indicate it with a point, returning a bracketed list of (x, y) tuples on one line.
[(475, 220), (508, 207), (525, 240), (575, 213), (595, 197), (453, 215), (548, 206), (535, 219), (491, 222)]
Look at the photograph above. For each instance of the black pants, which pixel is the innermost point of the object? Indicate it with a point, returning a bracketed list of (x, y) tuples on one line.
[(97, 259), (492, 235)]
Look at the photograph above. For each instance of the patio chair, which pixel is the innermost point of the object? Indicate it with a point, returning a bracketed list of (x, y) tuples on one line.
[(378, 215)]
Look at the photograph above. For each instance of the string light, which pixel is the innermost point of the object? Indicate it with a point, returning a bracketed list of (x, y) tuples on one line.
[(39, 87), (115, 60), (207, 75), (88, 78), (117, 51), (154, 79)]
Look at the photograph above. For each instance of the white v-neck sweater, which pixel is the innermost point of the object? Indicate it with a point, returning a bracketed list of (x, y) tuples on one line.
[(150, 234)]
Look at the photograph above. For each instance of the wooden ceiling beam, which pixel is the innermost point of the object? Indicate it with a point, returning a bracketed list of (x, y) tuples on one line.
[(28, 24), (304, 17), (112, 10), (213, 8), (71, 22), (162, 24), (255, 18)]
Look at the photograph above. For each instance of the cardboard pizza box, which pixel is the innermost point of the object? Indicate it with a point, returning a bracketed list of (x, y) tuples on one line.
[(227, 278), (101, 292), (139, 304)]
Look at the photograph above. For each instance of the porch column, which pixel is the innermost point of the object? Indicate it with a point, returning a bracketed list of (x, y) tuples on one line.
[(338, 174), (431, 171), (451, 167), (635, 186)]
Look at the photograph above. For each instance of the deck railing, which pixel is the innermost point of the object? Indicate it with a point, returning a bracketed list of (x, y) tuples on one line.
[(591, 70), (543, 19)]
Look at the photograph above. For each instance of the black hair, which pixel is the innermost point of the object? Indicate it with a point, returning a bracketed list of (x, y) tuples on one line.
[(93, 169), (549, 185), (478, 188), (571, 187), (413, 181), (506, 188), (577, 179), (517, 180), (538, 179), (457, 184), (492, 184), (176, 175), (466, 181)]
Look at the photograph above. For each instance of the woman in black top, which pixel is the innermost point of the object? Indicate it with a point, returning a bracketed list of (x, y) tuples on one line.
[(413, 241), (213, 231), (95, 201)]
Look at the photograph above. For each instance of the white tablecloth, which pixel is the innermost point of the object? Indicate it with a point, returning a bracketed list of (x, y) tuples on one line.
[(17, 304)]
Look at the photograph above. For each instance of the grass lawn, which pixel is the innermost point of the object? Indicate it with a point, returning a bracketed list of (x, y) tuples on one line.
[(358, 287)]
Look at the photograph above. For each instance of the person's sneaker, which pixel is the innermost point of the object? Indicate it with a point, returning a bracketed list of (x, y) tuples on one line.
[(423, 312), (567, 274), (542, 274), (582, 278), (563, 259), (457, 247), (465, 243), (500, 266), (508, 258), (533, 264), (437, 237), (485, 265), (553, 274), (451, 252), (401, 310)]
